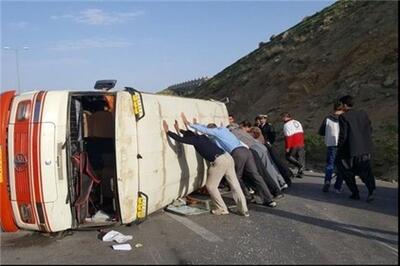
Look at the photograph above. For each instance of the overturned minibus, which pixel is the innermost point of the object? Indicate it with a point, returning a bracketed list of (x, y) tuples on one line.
[(68, 156)]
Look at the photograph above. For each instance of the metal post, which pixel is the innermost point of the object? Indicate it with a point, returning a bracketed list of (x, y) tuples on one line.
[(16, 50), (17, 64)]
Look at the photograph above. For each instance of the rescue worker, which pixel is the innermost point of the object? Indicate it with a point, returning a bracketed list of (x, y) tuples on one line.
[(294, 142)]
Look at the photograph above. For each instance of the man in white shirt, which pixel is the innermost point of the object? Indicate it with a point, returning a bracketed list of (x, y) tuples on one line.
[(330, 130)]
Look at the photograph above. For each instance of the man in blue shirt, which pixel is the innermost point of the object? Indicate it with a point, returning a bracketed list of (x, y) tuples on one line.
[(244, 160)]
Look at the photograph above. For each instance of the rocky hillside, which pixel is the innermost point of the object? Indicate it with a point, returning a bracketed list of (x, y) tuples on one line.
[(350, 47)]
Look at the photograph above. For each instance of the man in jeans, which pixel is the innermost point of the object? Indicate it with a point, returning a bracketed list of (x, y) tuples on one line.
[(294, 142), (330, 130), (221, 164), (354, 148), (242, 156)]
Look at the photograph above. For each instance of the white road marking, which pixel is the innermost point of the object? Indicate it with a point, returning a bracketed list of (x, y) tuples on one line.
[(396, 252), (363, 232), (155, 255), (201, 231), (393, 250)]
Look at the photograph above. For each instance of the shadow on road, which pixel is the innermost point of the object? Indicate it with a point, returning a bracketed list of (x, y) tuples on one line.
[(386, 199), (332, 225)]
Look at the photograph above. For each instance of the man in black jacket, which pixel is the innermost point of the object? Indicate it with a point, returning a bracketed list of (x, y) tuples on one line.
[(354, 148), (267, 129)]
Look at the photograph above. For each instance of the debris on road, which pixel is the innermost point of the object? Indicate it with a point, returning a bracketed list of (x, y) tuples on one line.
[(100, 216), (126, 247), (138, 245), (116, 236), (186, 210), (189, 206)]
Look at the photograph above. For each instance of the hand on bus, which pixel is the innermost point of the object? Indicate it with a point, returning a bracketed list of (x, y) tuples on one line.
[(165, 126), (185, 121), (176, 125)]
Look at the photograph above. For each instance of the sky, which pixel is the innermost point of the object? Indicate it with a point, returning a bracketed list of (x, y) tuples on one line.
[(146, 45)]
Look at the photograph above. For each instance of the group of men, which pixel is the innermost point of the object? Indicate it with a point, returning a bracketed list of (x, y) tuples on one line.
[(243, 155), (348, 136), (250, 165)]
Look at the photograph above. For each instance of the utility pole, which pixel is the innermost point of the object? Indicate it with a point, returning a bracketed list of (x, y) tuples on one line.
[(16, 50)]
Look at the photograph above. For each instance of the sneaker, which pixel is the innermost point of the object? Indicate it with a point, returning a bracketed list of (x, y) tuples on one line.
[(245, 214), (355, 196), (326, 188), (271, 204), (285, 186), (219, 212)]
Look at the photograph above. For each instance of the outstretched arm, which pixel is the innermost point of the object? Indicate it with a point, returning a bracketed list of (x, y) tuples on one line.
[(203, 129), (186, 140), (195, 125)]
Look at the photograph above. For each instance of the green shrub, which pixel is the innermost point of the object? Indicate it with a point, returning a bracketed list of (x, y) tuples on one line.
[(315, 150)]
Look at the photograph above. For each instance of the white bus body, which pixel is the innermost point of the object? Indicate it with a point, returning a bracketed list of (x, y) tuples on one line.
[(73, 154)]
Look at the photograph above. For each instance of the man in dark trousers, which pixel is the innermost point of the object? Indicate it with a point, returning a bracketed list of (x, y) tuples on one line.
[(294, 142), (267, 129), (354, 148)]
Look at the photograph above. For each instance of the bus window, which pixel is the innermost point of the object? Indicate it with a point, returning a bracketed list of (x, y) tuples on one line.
[(23, 110)]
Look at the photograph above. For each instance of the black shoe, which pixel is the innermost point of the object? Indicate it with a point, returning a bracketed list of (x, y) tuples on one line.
[(300, 171), (355, 196), (299, 175), (326, 188)]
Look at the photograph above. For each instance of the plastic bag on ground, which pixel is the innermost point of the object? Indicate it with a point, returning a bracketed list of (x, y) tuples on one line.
[(116, 236)]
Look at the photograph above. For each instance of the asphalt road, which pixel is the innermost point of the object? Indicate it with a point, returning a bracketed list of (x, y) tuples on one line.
[(307, 227)]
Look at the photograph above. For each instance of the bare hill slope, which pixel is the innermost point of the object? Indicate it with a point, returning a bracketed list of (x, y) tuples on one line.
[(350, 47)]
